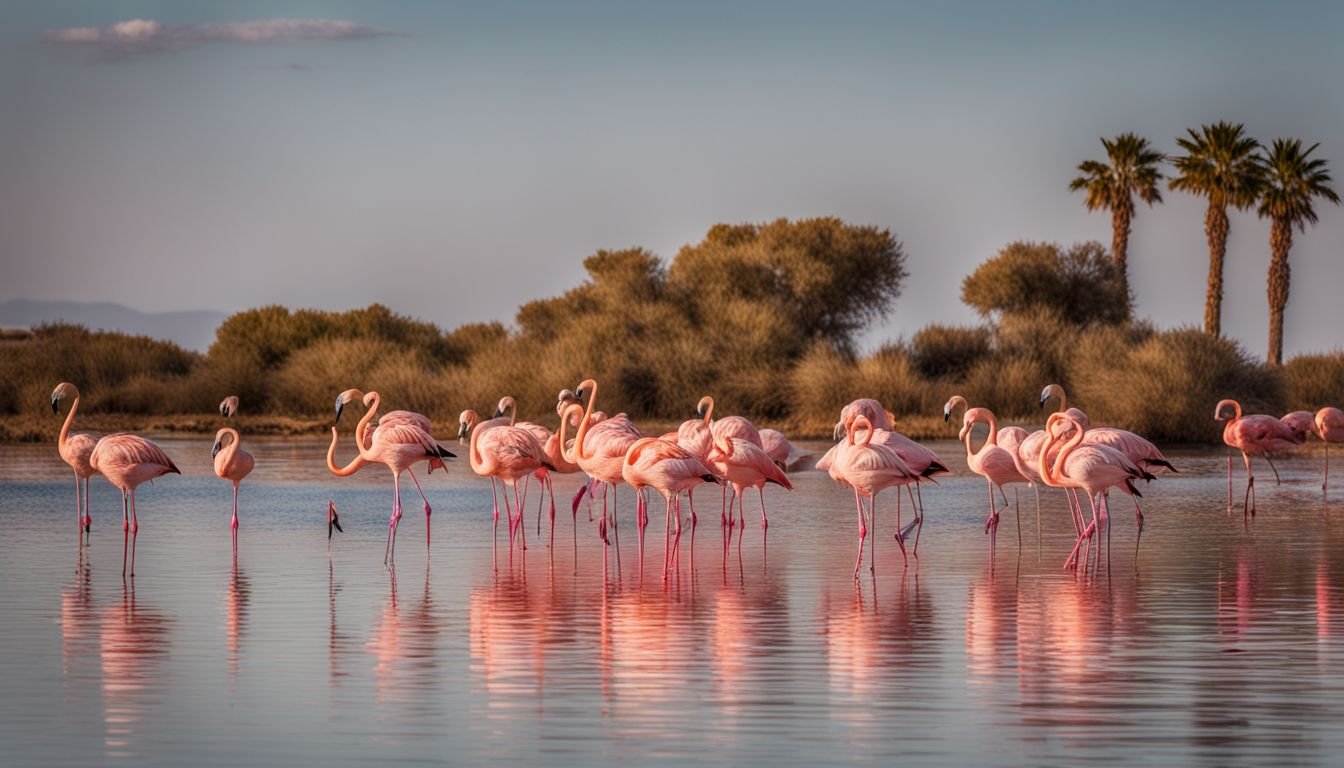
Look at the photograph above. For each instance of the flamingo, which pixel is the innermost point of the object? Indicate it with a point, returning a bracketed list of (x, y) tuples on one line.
[(127, 461), (1255, 435), (1093, 468), (333, 520), (992, 462), (75, 450), (778, 447), (1137, 449), (1330, 428), (669, 469), (1024, 447), (922, 460), (746, 465), (507, 453), (232, 463), (550, 447), (600, 449), (397, 446), (869, 468)]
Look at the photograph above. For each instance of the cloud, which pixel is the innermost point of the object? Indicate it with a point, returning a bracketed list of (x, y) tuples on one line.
[(142, 36)]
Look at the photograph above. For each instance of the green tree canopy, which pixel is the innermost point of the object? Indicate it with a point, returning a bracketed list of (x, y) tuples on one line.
[(1081, 283)]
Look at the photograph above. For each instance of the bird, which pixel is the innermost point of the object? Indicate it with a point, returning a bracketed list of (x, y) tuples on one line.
[(777, 445), (599, 449), (869, 468), (1257, 434), (550, 447), (507, 453), (697, 436), (669, 469), (75, 449), (1092, 468), (746, 465), (333, 520), (397, 446), (232, 463), (923, 461), (1330, 428), (1138, 449), (991, 461), (127, 461)]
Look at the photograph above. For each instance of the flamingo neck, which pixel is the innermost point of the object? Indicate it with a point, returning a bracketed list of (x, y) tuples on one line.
[(473, 451), (64, 438), (348, 469), (583, 426), (709, 411), (366, 452), (1070, 444)]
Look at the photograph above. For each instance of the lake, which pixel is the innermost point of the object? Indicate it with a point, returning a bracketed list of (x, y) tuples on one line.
[(1216, 643)]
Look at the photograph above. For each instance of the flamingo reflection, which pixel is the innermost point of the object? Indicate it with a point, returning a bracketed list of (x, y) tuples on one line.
[(405, 647), (133, 644), (869, 643), (235, 607), (79, 622)]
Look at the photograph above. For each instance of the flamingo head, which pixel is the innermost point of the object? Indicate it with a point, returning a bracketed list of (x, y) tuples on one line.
[(333, 520), (344, 399), (566, 397), (721, 449), (228, 406), (1303, 424), (62, 390), (219, 443), (505, 407), (1222, 406), (466, 422), (702, 408), (585, 389), (969, 419), (952, 402), (1052, 390)]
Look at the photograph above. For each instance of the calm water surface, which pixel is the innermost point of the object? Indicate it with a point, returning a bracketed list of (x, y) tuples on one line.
[(1215, 644)]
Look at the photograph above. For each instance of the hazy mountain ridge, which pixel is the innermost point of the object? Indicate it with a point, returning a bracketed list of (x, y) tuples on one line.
[(193, 329)]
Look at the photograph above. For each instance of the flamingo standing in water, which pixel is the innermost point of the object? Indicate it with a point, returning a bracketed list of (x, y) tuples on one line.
[(397, 446), (76, 450), (1093, 468), (920, 459), (1330, 428), (1136, 448), (779, 449), (507, 453), (600, 451), (668, 469), (746, 465), (1255, 435), (127, 461), (868, 468), (550, 446), (232, 463), (992, 462)]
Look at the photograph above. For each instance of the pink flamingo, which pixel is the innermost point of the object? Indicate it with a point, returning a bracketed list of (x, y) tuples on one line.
[(1138, 449), (778, 447), (1254, 435), (600, 451), (1330, 428), (991, 462), (1303, 424), (127, 461), (1092, 468), (232, 463), (746, 465), (76, 450), (364, 436), (919, 458), (550, 447), (396, 446), (869, 468), (509, 454), (668, 469)]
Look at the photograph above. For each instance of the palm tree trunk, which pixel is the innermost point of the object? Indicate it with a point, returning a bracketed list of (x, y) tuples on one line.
[(1120, 218), (1215, 228), (1280, 241)]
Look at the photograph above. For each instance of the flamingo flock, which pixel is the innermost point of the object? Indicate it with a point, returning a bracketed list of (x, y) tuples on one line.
[(869, 456)]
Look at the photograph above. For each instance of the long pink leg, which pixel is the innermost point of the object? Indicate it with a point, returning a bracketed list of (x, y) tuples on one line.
[(992, 521), (88, 521), (667, 534), (411, 472), (872, 519), (125, 530), (615, 528), (1249, 501), (135, 531), (863, 532), (1085, 535), (233, 524), (765, 521), (1324, 482), (79, 518), (396, 514)]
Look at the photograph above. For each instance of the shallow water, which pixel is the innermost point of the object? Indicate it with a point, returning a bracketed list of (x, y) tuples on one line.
[(1216, 643)]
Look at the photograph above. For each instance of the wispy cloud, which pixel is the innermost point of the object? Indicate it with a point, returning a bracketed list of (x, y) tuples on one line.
[(144, 36)]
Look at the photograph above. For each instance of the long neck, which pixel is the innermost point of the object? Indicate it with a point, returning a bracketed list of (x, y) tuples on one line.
[(348, 469), (583, 426), (993, 438), (65, 428), (366, 452), (1064, 399), (709, 411), (1073, 442), (478, 462), (229, 450)]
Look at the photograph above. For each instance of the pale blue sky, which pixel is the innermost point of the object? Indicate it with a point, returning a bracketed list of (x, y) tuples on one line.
[(468, 159)]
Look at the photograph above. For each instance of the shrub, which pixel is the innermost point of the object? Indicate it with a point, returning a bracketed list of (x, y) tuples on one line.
[(1312, 382), (948, 351)]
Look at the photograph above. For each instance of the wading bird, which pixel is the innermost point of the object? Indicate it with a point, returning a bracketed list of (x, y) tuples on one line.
[(232, 463), (127, 461), (76, 449), (1257, 434)]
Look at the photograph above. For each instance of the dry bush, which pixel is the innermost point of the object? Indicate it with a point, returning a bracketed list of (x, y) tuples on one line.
[(946, 351), (1312, 382), (890, 377), (1010, 387)]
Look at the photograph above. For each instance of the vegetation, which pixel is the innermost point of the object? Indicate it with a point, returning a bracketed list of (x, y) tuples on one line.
[(1291, 184), (1080, 283), (1130, 170), (1220, 163)]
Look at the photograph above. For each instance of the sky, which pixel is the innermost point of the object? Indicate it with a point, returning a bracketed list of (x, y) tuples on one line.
[(455, 160)]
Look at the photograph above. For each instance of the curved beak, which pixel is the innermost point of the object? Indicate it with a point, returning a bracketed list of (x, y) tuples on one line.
[(215, 451), (580, 394), (1043, 399), (947, 412), (498, 414), (339, 407), (838, 432), (54, 401), (461, 430), (333, 520), (700, 411), (223, 411)]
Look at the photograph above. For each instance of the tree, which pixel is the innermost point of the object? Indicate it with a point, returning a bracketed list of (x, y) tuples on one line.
[(1130, 170), (1083, 284), (1293, 179), (821, 279), (1220, 164)]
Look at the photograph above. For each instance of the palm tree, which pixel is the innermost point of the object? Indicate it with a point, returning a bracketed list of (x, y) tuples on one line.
[(1292, 181), (1220, 164), (1130, 169)]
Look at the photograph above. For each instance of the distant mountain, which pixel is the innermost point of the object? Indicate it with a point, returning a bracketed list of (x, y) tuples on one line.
[(193, 330)]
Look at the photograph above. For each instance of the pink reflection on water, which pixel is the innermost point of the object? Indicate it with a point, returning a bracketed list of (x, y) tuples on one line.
[(404, 645), (133, 643)]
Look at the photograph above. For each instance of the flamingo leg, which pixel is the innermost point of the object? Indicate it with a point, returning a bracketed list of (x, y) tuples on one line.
[(615, 528), (872, 517), (1085, 534), (396, 515), (667, 534), (1270, 459), (1324, 482), (863, 532), (79, 518), (992, 521), (125, 530), (88, 521), (411, 472), (522, 525), (1248, 502), (234, 523), (135, 531)]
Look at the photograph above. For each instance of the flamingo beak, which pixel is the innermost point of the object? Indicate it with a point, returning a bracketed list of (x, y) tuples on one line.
[(838, 432), (700, 411), (461, 431), (947, 412), (498, 414), (215, 450), (223, 411), (333, 521), (1043, 399), (54, 401), (339, 407), (579, 393)]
